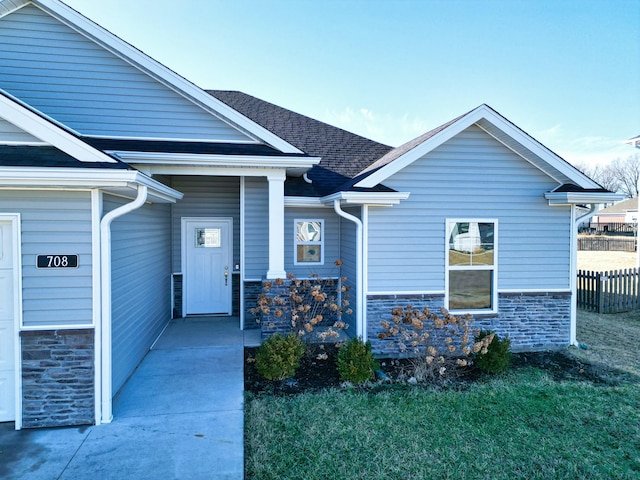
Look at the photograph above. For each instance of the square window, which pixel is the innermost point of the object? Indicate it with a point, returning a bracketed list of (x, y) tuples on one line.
[(309, 242)]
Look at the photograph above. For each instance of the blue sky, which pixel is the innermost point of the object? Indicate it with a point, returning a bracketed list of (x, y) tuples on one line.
[(565, 71)]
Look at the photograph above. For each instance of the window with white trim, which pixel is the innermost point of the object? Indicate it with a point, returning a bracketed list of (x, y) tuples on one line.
[(471, 263), (309, 242)]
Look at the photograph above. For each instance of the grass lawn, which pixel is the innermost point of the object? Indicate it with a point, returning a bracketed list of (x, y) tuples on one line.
[(522, 425)]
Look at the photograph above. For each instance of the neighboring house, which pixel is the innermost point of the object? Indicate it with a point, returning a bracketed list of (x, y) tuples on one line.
[(127, 195), (622, 212), (634, 142)]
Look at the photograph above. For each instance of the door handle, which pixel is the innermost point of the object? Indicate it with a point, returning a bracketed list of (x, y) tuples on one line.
[(226, 276)]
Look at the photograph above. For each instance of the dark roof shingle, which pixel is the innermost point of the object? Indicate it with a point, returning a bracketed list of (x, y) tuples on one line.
[(344, 154)]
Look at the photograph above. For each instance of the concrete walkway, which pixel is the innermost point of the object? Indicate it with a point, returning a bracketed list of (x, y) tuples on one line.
[(180, 415)]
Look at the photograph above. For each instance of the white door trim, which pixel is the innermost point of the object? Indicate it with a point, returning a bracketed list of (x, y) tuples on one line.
[(183, 253), (14, 218)]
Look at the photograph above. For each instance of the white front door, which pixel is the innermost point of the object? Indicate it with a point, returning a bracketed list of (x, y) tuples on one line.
[(7, 322), (207, 256)]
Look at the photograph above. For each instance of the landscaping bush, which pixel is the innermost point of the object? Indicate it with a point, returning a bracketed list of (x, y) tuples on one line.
[(279, 356), (356, 363), (496, 356), (440, 346)]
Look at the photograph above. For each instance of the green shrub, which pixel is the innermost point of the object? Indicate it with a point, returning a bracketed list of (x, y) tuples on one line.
[(279, 356), (356, 363), (496, 357)]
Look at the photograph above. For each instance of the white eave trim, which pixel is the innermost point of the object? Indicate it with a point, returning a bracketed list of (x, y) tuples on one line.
[(84, 178), (23, 118), (294, 166), (163, 74), (312, 202), (579, 198), (368, 198), (483, 112)]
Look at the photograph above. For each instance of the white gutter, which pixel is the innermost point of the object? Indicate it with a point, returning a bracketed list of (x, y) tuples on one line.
[(105, 292), (360, 330), (574, 269)]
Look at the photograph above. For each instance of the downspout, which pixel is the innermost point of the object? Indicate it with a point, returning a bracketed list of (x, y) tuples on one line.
[(105, 283), (574, 261), (360, 330)]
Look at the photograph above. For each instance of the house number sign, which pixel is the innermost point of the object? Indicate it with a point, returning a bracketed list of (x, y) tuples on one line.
[(57, 261)]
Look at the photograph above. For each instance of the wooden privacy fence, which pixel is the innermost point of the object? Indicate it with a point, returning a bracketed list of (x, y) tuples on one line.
[(608, 292), (607, 244)]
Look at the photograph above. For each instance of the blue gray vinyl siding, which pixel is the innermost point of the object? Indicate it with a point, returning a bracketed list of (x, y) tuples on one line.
[(256, 236), (331, 243), (348, 256), (470, 176), (205, 197), (54, 223), (140, 279), (10, 133), (79, 83)]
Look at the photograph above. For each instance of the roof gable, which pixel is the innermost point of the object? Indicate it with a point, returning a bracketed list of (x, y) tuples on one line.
[(495, 125), (110, 77)]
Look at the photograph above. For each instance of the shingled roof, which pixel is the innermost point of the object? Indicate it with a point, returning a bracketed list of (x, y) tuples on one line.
[(344, 154)]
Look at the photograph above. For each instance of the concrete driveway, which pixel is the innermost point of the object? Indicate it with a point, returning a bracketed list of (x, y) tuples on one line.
[(180, 415)]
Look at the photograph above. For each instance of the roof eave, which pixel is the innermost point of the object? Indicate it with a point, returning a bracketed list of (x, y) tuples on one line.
[(386, 199), (581, 198), (294, 166), (121, 182)]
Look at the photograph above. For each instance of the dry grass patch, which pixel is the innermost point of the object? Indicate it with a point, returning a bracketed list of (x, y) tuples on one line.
[(611, 339), (605, 261)]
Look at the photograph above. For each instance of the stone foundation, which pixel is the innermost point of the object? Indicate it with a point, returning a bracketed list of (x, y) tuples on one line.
[(533, 321), (58, 378)]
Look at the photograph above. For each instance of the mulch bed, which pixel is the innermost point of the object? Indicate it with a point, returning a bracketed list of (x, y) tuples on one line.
[(318, 371)]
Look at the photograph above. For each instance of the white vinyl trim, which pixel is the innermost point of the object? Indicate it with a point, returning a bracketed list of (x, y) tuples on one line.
[(96, 216), (242, 251), (15, 220), (407, 292)]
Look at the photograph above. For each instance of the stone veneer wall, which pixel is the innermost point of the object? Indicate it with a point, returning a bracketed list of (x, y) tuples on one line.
[(533, 321), (58, 378), (251, 292)]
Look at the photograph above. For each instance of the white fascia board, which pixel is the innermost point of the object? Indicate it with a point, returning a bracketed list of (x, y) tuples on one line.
[(579, 198), (311, 202), (163, 74), (23, 118), (82, 178), (368, 198), (480, 113), (294, 166)]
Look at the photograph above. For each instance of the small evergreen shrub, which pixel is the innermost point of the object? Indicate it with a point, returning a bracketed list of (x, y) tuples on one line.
[(496, 357), (356, 363), (279, 356)]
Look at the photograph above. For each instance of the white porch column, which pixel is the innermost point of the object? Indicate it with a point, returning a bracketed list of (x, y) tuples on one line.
[(276, 225)]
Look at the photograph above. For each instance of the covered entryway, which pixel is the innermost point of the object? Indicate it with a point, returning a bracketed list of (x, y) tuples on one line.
[(8, 300), (207, 257)]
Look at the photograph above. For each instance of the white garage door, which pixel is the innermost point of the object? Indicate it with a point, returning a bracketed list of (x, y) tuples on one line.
[(7, 328)]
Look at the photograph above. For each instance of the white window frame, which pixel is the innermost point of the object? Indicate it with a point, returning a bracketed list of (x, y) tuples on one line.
[(449, 222), (296, 242)]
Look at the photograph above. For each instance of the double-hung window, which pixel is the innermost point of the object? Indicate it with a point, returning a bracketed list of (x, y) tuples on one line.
[(309, 242), (471, 263)]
